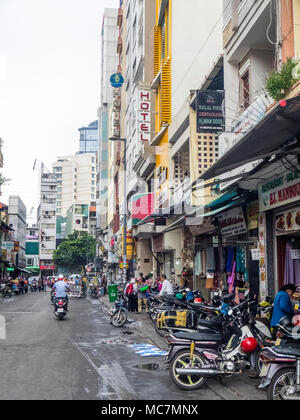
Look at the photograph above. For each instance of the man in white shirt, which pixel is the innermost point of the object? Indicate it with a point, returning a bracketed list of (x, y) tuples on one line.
[(61, 288), (167, 288)]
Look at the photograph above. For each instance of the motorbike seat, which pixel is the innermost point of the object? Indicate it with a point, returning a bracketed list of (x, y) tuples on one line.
[(289, 351), (214, 323), (202, 308), (198, 336)]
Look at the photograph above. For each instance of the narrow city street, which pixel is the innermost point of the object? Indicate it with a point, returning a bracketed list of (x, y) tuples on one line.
[(85, 358)]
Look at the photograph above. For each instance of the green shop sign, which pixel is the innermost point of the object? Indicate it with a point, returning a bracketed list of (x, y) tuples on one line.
[(279, 191)]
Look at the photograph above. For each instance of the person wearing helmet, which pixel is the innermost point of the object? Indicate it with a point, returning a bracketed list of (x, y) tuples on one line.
[(283, 305), (61, 288)]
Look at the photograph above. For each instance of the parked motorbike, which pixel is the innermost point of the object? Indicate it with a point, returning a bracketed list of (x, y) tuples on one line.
[(5, 291), (280, 370), (60, 308), (196, 356), (190, 317), (16, 289), (119, 312), (94, 292)]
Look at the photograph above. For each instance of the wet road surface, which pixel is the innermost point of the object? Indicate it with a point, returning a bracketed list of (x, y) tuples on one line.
[(84, 358)]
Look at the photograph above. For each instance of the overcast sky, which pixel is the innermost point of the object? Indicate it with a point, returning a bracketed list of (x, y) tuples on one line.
[(49, 83)]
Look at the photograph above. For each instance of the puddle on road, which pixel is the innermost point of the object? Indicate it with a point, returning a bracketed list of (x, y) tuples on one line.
[(128, 332)]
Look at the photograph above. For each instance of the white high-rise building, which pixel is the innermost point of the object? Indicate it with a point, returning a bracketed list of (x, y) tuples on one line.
[(17, 221), (76, 177), (109, 65), (47, 222)]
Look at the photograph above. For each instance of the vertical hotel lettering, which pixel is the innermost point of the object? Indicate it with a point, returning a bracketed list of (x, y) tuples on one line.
[(144, 115)]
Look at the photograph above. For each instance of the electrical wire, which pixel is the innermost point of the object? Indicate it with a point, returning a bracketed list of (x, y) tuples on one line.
[(270, 24)]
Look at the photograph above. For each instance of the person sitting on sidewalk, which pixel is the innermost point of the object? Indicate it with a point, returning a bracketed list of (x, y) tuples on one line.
[(167, 288)]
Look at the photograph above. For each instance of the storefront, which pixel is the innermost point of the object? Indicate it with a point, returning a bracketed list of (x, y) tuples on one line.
[(279, 202), (226, 249)]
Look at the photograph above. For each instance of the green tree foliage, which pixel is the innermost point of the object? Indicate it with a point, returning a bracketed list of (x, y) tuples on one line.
[(76, 250), (279, 82)]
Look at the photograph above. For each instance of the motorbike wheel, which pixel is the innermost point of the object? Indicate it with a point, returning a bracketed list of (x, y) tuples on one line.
[(284, 382), (152, 315), (119, 319), (186, 382), (161, 333)]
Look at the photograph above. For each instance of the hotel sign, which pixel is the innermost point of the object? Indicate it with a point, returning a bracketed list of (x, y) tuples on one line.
[(279, 191), (144, 115)]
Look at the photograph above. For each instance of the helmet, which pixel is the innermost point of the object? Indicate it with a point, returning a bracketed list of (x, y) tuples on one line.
[(60, 277), (179, 296), (197, 300), (249, 345)]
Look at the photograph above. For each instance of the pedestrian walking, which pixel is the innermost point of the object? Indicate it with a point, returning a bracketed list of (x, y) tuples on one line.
[(22, 285), (40, 284), (142, 289), (131, 293), (45, 281), (104, 285)]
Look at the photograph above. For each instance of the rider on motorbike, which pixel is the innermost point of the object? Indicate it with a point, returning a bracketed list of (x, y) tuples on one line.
[(61, 289)]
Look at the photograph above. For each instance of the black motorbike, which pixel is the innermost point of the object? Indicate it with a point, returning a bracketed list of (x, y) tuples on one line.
[(60, 307), (119, 312), (194, 357), (169, 320), (5, 291), (94, 292), (280, 371)]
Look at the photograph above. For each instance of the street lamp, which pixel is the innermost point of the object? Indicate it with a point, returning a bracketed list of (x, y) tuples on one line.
[(125, 206)]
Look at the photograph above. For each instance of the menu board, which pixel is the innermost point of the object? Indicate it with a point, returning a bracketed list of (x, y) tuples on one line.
[(288, 221), (262, 255)]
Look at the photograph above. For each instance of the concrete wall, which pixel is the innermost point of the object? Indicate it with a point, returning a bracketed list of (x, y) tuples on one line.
[(196, 43)]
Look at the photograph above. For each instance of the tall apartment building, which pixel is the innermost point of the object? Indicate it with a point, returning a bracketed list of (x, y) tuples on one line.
[(250, 53), (187, 58), (89, 138), (109, 65), (76, 180), (81, 218), (32, 249), (17, 221), (47, 221)]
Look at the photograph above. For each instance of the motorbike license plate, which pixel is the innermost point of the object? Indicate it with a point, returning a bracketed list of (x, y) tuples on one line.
[(278, 342), (264, 371), (60, 310)]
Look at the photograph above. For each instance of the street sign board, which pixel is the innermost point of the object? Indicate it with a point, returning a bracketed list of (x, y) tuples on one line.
[(9, 246), (210, 111), (117, 80)]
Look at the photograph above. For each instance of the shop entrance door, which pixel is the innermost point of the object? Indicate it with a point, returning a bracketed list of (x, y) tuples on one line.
[(288, 259), (169, 264)]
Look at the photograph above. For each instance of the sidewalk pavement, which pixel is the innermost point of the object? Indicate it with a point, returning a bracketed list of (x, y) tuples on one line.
[(143, 324)]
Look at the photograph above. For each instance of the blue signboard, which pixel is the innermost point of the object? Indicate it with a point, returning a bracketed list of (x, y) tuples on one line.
[(117, 80)]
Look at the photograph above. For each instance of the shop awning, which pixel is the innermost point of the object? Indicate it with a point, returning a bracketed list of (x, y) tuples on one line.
[(272, 134), (220, 209), (197, 214)]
